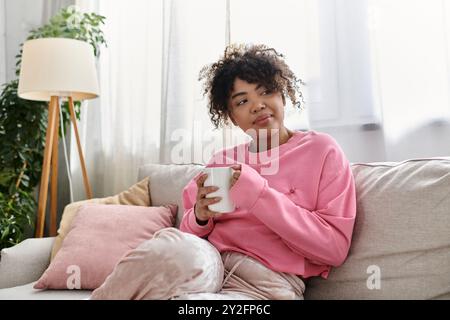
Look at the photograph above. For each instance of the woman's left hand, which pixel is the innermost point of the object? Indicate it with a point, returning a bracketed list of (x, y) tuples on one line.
[(236, 173)]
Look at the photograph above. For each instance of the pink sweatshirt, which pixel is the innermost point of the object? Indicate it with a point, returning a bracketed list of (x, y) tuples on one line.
[(299, 220)]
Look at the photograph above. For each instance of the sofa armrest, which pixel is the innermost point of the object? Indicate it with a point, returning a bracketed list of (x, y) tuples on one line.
[(25, 262)]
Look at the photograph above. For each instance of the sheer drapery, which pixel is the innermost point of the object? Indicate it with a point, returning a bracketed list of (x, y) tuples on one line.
[(376, 74), (410, 42), (121, 129), (151, 108), (51, 7), (2, 42), (194, 35)]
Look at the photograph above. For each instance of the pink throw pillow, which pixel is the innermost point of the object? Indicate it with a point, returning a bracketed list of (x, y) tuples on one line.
[(98, 238)]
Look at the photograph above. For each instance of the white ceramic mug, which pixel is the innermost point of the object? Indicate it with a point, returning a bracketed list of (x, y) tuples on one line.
[(221, 178)]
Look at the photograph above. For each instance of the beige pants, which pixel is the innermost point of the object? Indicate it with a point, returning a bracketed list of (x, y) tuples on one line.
[(178, 265), (248, 279), (248, 276)]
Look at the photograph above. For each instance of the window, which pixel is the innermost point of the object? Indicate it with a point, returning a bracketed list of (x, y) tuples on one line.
[(326, 44)]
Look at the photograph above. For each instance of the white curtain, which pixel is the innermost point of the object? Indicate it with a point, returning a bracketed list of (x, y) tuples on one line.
[(410, 43), (151, 108), (290, 27), (2, 42), (376, 74), (51, 7), (194, 35), (376, 71), (121, 129), (392, 78)]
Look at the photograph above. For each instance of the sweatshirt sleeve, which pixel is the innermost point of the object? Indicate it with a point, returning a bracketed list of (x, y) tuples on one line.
[(189, 223), (322, 235)]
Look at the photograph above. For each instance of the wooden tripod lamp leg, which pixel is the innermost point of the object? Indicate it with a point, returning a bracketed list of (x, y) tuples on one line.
[(54, 173), (87, 186), (43, 189)]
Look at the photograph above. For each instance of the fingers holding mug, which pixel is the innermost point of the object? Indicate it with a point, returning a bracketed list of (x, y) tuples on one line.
[(204, 191), (202, 211), (201, 180), (205, 202)]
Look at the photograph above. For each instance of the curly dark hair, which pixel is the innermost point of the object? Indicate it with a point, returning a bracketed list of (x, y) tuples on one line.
[(254, 64)]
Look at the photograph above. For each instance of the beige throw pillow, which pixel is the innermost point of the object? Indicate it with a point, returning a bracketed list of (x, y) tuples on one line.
[(137, 195)]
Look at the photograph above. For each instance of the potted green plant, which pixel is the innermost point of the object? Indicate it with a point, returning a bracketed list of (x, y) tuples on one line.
[(23, 125)]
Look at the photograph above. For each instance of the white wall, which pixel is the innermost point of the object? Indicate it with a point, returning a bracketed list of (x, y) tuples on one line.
[(21, 16)]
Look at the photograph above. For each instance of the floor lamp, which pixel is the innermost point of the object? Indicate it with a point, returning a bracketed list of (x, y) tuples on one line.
[(54, 69)]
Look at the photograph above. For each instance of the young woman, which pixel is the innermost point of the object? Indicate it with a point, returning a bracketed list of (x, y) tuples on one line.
[(295, 209), (292, 223)]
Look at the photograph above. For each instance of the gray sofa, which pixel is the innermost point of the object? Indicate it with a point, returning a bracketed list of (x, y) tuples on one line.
[(400, 247)]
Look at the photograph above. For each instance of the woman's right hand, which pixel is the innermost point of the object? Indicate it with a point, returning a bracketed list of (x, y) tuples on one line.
[(202, 213)]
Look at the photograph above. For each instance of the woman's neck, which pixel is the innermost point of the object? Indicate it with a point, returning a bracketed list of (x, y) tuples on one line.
[(272, 140)]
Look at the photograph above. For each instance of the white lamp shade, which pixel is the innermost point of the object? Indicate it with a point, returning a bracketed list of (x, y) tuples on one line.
[(57, 67)]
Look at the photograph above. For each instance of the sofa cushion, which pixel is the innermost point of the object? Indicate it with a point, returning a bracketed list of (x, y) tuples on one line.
[(167, 181), (137, 195), (98, 237), (401, 242)]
